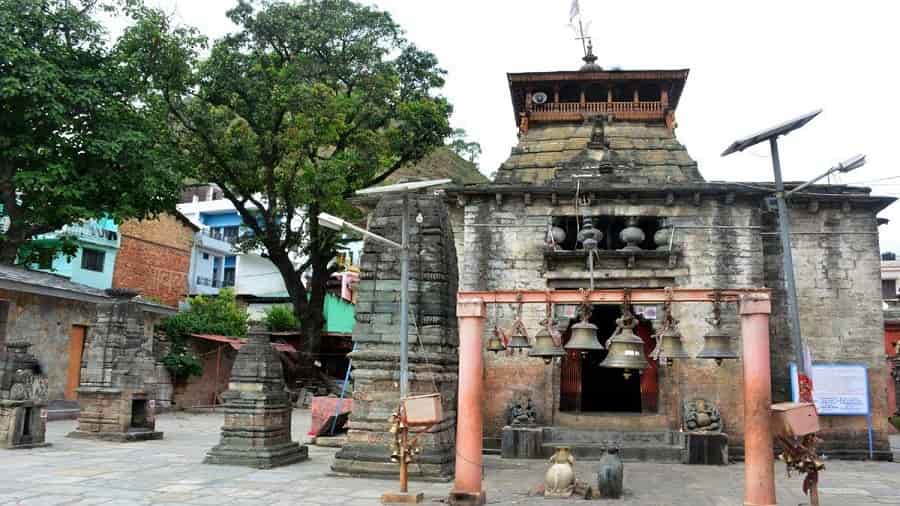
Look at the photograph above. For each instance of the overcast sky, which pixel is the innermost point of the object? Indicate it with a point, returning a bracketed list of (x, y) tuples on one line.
[(752, 65)]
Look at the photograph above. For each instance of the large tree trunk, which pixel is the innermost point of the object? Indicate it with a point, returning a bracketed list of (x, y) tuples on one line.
[(8, 251)]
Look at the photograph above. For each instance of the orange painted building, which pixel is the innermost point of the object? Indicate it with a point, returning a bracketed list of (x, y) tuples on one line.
[(891, 345)]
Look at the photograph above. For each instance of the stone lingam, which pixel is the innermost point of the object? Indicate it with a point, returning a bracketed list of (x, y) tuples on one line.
[(257, 430), (23, 399)]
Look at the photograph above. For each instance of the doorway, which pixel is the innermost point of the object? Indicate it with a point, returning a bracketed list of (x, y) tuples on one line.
[(76, 354), (585, 386)]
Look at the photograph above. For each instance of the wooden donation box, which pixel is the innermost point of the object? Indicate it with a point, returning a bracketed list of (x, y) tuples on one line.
[(794, 419)]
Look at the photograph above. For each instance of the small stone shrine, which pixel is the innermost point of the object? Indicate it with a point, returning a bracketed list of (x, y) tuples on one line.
[(257, 430), (704, 441), (117, 396), (23, 399)]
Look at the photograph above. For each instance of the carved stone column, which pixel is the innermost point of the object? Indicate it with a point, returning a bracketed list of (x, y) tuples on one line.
[(433, 341)]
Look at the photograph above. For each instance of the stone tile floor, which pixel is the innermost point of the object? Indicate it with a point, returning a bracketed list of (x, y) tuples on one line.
[(170, 472)]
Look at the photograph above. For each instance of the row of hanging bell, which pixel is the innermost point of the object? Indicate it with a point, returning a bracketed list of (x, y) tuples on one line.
[(716, 346)]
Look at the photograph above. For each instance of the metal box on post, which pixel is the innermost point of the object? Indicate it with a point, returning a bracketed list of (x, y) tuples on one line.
[(794, 419), (423, 410)]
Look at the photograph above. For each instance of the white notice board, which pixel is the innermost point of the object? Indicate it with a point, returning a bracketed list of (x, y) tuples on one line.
[(837, 389)]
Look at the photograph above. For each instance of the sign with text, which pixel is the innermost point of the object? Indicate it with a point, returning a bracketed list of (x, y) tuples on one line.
[(837, 389)]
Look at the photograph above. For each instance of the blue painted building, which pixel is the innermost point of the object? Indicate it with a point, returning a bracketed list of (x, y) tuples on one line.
[(94, 262)]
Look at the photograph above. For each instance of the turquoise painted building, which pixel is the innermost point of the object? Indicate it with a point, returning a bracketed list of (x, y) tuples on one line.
[(94, 262)]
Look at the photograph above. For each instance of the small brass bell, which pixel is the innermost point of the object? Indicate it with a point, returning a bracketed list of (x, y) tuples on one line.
[(671, 345), (495, 344), (584, 337), (518, 341), (626, 350), (717, 345), (545, 347)]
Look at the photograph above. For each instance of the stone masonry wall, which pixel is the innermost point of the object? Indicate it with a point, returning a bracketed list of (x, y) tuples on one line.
[(508, 255), (154, 258), (837, 265), (45, 322), (723, 241)]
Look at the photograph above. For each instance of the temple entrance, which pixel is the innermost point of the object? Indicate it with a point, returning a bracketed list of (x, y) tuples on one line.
[(586, 387)]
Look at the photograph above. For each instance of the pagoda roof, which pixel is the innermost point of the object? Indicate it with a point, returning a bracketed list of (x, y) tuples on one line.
[(518, 81)]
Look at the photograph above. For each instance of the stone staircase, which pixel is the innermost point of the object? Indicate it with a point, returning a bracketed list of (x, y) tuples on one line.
[(589, 444)]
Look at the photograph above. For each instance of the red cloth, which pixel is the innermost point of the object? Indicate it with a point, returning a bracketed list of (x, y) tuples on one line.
[(325, 407)]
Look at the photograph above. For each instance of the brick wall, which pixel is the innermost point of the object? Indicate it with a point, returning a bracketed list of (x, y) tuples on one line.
[(154, 258)]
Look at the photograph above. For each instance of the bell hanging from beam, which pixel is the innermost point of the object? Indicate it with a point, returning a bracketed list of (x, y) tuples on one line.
[(716, 342), (584, 334), (519, 340), (717, 346), (495, 344), (626, 350), (545, 347), (671, 344)]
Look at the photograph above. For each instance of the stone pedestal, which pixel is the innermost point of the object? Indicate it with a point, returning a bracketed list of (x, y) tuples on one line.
[(433, 340), (23, 399), (114, 414), (257, 429), (521, 442), (23, 424), (706, 449)]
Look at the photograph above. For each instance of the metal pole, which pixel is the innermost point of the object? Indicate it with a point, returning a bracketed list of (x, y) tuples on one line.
[(404, 299), (784, 228)]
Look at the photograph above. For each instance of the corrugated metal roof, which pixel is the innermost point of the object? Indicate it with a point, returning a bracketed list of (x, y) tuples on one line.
[(236, 342)]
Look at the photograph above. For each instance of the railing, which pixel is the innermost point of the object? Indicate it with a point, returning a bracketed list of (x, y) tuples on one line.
[(218, 235), (600, 107), (90, 231), (215, 283)]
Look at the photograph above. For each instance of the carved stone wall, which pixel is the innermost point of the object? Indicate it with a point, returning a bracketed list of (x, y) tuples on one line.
[(433, 340)]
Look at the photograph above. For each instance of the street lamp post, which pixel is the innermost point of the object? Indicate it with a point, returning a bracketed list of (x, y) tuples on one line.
[(784, 224), (784, 228)]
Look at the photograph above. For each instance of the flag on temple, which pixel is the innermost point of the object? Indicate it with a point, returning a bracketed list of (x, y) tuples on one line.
[(574, 10)]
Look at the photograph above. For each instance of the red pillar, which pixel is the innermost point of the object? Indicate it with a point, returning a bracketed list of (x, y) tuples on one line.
[(467, 485), (759, 456)]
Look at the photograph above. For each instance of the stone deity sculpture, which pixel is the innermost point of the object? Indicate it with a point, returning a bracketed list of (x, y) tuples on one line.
[(702, 416)]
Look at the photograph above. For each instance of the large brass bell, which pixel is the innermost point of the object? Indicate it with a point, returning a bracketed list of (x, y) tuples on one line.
[(584, 337), (518, 341), (717, 346), (545, 347), (626, 350), (671, 345)]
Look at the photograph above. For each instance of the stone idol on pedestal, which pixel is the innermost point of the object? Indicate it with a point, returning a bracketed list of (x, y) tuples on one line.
[(23, 399), (521, 438), (257, 429), (116, 395), (705, 443)]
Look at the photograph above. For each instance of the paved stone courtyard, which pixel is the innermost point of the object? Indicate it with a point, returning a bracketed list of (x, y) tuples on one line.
[(169, 472)]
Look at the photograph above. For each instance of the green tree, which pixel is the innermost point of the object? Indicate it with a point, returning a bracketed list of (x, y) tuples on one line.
[(220, 314), (306, 103), (470, 150), (80, 137)]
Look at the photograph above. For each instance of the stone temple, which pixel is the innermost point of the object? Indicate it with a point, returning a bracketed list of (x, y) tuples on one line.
[(599, 147)]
